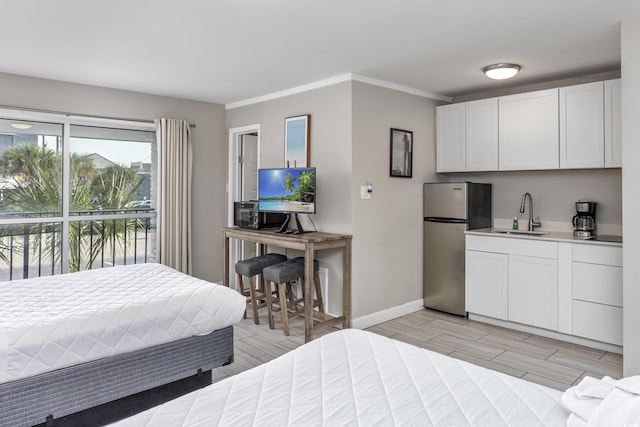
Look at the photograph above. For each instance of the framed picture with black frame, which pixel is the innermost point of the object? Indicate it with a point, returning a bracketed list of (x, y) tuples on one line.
[(401, 156)]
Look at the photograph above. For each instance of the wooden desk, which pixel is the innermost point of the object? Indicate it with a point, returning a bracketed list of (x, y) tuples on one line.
[(309, 243)]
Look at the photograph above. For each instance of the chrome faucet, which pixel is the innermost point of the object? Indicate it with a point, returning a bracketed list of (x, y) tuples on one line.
[(532, 224)]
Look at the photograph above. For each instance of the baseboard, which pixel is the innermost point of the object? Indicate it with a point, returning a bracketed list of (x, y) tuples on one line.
[(586, 342), (368, 320)]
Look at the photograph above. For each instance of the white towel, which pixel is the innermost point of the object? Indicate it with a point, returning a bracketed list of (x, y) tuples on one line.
[(621, 407), (629, 384), (576, 421), (591, 387), (583, 408)]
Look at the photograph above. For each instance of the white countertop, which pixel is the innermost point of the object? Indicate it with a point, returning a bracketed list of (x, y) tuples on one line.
[(554, 236)]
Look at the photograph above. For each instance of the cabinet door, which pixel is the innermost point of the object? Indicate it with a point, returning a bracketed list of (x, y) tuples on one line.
[(612, 124), (533, 291), (528, 130), (450, 138), (482, 135), (582, 126), (486, 275)]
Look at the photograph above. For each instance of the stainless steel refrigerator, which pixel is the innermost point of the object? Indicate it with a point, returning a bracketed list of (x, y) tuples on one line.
[(449, 210)]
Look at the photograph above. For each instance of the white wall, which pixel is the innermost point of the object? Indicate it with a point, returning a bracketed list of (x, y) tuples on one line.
[(630, 42), (387, 229), (209, 140)]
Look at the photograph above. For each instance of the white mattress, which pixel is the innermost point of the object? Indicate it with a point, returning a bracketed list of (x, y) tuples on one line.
[(53, 322), (352, 378)]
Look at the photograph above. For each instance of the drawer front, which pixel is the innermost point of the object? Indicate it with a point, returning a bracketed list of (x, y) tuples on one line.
[(596, 254), (513, 246), (534, 248), (597, 322), (597, 283), (485, 244)]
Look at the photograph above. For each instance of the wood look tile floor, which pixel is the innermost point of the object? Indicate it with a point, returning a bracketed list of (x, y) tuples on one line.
[(546, 361)]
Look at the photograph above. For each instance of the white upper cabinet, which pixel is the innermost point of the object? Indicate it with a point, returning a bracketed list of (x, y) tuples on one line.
[(481, 134), (582, 126), (528, 131), (612, 124), (572, 127), (450, 138)]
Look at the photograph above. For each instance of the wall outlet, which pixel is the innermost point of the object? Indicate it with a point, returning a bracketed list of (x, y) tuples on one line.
[(324, 288)]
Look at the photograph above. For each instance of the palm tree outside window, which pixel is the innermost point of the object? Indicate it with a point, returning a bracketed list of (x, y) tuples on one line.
[(74, 197)]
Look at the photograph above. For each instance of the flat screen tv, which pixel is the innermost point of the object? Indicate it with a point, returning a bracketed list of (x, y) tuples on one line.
[(287, 190)]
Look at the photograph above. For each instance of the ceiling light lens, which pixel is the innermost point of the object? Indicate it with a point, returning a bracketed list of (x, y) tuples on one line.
[(21, 126), (501, 71)]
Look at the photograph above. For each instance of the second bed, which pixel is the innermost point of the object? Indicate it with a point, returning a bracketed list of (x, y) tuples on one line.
[(357, 378)]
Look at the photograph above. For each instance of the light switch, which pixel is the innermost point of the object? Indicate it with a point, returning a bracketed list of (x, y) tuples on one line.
[(364, 192)]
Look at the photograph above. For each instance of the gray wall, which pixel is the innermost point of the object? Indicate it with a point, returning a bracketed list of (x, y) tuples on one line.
[(350, 125), (630, 38), (209, 139), (553, 192), (387, 229), (330, 143)]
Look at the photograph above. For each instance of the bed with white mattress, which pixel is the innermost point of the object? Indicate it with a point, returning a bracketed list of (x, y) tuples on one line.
[(118, 325), (356, 378)]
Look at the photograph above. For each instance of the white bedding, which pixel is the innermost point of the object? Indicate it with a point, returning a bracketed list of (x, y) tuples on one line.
[(53, 322), (352, 378)]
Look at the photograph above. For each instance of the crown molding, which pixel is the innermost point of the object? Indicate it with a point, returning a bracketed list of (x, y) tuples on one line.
[(333, 81), (400, 88), (288, 92)]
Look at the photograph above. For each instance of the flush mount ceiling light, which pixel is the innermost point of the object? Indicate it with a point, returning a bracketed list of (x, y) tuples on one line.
[(501, 71), (21, 126)]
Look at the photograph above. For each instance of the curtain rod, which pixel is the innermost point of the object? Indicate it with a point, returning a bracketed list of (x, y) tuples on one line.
[(66, 113)]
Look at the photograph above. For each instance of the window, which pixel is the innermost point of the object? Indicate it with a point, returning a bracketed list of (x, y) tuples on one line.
[(74, 194)]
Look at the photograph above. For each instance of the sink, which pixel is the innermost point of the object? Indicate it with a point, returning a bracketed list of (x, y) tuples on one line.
[(523, 232)]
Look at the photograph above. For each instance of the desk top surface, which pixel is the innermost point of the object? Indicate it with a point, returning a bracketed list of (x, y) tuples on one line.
[(310, 237)]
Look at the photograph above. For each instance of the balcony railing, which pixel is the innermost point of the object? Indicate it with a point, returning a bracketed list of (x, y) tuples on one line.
[(35, 249)]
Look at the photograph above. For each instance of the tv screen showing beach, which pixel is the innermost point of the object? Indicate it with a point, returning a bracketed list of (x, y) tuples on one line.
[(287, 190)]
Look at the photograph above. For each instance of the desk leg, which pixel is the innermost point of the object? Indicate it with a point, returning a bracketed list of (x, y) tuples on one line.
[(308, 293), (346, 284), (225, 262)]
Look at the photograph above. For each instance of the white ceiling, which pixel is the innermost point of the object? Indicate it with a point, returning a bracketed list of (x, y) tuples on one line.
[(225, 51)]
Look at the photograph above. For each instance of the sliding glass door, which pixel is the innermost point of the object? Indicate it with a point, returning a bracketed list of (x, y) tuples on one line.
[(74, 195)]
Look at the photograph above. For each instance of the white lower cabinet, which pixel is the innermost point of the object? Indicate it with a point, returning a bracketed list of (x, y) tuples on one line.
[(533, 291), (518, 280), (518, 284), (597, 293), (486, 275)]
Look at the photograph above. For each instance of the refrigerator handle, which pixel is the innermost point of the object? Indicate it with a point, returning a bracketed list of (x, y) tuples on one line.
[(446, 220)]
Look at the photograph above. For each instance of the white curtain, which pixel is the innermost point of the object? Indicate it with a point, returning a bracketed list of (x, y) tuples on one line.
[(174, 194)]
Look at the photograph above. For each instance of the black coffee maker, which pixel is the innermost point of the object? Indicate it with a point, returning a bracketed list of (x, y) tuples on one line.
[(584, 222)]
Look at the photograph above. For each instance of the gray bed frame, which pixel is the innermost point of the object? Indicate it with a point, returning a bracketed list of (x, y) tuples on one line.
[(45, 398)]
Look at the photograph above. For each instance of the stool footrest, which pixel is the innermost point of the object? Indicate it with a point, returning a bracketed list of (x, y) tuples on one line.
[(285, 304)]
